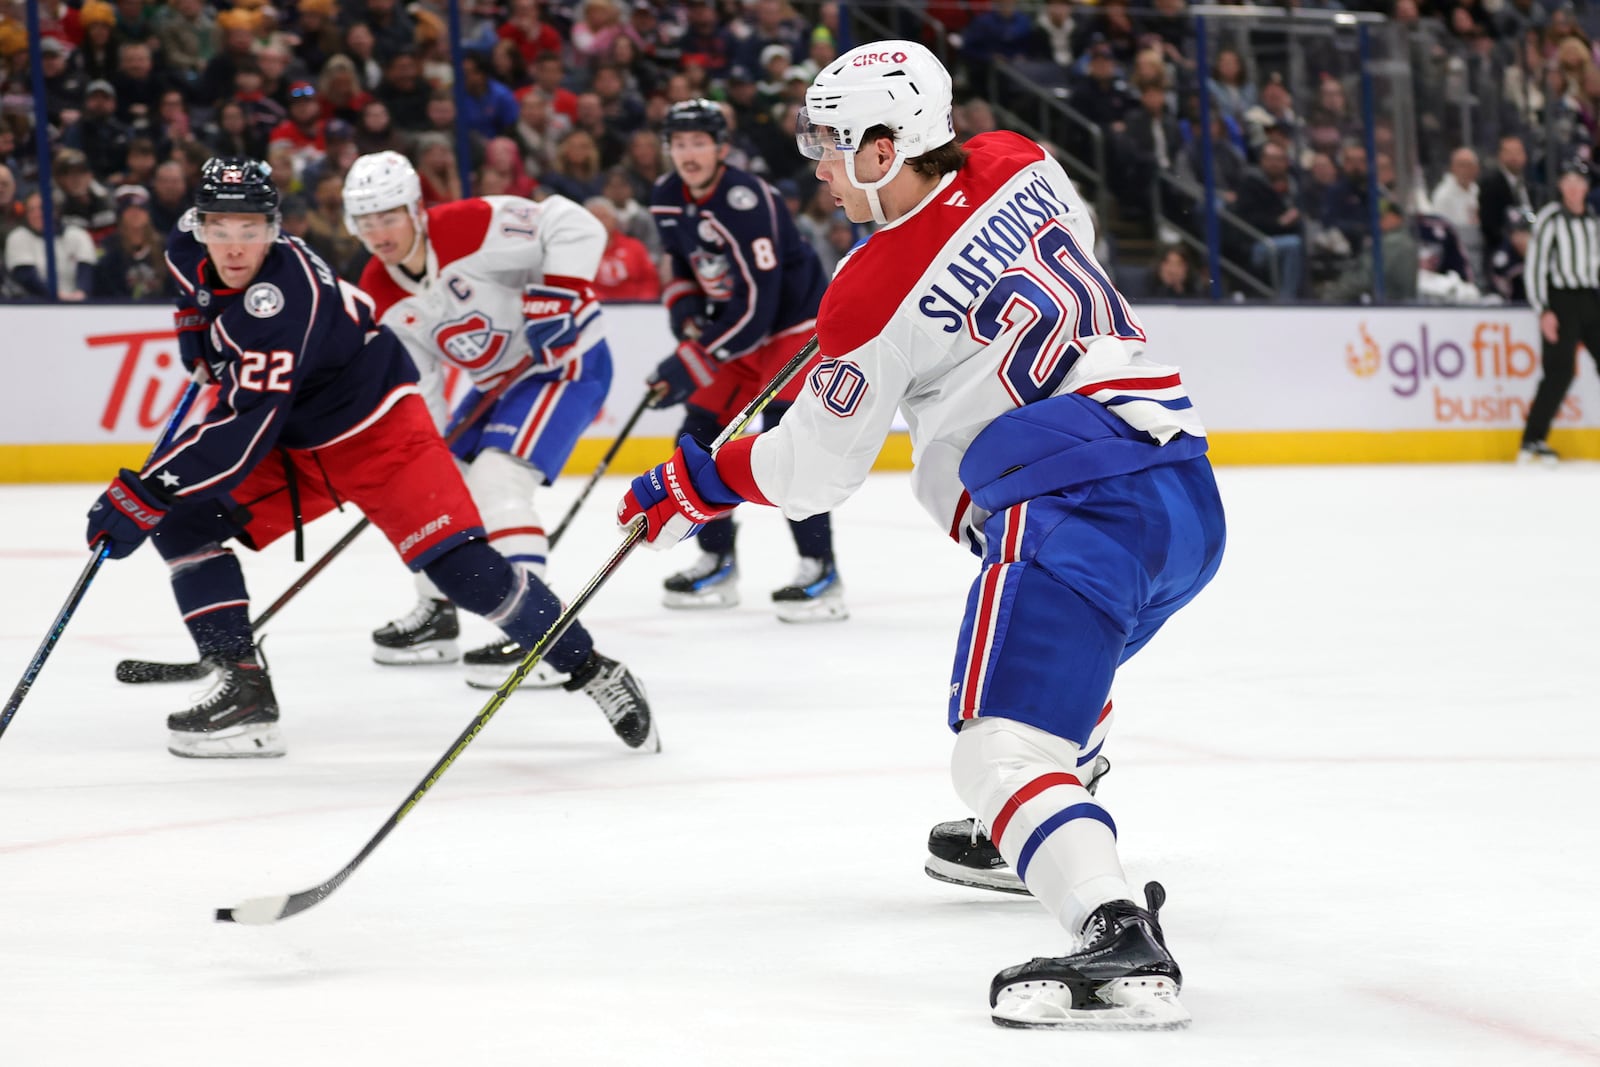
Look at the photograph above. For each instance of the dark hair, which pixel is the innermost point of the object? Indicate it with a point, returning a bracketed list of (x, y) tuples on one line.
[(936, 163)]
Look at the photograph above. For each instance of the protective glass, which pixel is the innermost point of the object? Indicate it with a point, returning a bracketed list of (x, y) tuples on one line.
[(380, 221)]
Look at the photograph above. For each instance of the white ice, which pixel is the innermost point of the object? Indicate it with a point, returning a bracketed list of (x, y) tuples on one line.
[(1365, 764)]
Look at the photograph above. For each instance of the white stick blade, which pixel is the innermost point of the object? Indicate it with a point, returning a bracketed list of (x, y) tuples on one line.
[(258, 911)]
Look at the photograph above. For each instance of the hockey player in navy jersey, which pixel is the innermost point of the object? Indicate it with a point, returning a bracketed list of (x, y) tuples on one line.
[(317, 404), (1044, 441), (743, 300)]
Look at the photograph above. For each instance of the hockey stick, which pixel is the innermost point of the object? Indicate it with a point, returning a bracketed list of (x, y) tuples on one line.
[(260, 911), (140, 671), (605, 461), (102, 552)]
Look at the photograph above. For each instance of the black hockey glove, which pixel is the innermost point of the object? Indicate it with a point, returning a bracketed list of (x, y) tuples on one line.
[(690, 367)]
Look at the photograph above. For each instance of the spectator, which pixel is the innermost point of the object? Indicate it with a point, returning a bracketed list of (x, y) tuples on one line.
[(1274, 111), (1110, 25), (316, 34), (592, 120), (532, 36), (489, 108), (272, 60), (548, 73), (405, 93), (169, 197), (138, 86), (1504, 191), (1143, 148), (640, 75), (296, 217), (813, 220), (592, 35), (442, 113), (325, 231), (264, 113), (1102, 96), (391, 26), (376, 132), (220, 77), (502, 158), (626, 270), (340, 91), (507, 66), (576, 172), (63, 83), (132, 264), (305, 130), (436, 169), (658, 35), (1345, 209), (1000, 32), (361, 48), (97, 52), (141, 168), (82, 202), (337, 160), (1174, 276), (707, 44), (99, 134), (1052, 34), (231, 133), (644, 163), (1268, 200), (172, 125), (25, 255), (537, 131), (1231, 91), (624, 111), (1455, 199), (1400, 263), (135, 22), (772, 22), (12, 210), (633, 218)]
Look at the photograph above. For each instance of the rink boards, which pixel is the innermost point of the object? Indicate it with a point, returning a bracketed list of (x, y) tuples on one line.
[(90, 386)]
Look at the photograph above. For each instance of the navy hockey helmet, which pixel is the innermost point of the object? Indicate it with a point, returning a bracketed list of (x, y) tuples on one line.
[(696, 116), (233, 185)]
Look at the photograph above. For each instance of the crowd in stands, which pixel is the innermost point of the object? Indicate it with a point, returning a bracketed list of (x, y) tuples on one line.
[(567, 96)]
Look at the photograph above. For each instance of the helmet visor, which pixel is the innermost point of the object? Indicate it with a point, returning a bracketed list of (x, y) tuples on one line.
[(242, 229), (816, 142)]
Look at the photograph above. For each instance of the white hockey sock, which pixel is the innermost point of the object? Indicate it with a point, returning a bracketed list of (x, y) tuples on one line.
[(1025, 785), (503, 486)]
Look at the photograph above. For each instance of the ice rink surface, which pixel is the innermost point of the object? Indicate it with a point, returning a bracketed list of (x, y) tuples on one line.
[(1364, 763)]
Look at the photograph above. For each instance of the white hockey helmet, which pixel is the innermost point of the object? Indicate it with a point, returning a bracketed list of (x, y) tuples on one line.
[(380, 182), (897, 84)]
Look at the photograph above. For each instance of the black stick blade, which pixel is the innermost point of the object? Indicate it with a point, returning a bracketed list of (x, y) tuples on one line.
[(142, 671)]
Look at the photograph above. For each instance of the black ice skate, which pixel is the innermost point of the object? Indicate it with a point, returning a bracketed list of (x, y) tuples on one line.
[(1538, 452), (426, 635), (237, 719), (1123, 978), (815, 595), (619, 694), (488, 667), (961, 853), (712, 581)]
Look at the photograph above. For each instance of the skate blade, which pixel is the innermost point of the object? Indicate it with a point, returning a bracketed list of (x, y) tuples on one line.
[(1000, 880), (423, 655), (260, 741), (705, 600), (651, 743), (822, 609), (542, 676), (1131, 1004)]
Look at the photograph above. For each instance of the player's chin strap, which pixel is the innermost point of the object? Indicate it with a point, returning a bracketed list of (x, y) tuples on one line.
[(871, 188)]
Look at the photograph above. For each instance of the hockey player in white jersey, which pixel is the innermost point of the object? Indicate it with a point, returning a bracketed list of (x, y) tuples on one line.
[(502, 289), (1041, 439)]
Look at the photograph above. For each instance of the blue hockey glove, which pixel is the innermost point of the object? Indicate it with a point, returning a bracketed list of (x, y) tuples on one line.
[(690, 367), (676, 497), (554, 314), (125, 514)]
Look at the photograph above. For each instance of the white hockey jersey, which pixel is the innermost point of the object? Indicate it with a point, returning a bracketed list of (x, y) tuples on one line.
[(982, 299), (467, 307)]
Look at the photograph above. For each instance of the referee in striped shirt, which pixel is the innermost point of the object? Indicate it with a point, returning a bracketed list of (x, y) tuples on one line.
[(1563, 281)]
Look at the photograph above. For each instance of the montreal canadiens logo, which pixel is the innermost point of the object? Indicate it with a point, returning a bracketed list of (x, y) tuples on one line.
[(867, 59), (263, 300), (471, 341)]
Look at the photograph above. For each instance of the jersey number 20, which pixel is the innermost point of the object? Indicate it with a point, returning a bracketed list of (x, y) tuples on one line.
[(1048, 305)]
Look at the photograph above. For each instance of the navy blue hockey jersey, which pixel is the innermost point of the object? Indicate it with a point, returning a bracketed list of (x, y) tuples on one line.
[(297, 356), (741, 268)]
